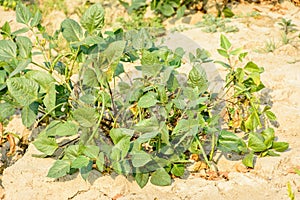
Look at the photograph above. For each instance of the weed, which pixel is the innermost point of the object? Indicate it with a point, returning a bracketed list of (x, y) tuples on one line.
[(290, 191), (212, 24)]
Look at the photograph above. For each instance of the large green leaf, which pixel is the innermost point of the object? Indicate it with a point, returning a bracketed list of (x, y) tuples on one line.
[(178, 170), (25, 91), (90, 78), (20, 67), (86, 117), (197, 78), (71, 30), (256, 143), (229, 142), (44, 79), (6, 110), (91, 151), (79, 162), (139, 159), (141, 179), (24, 45), (166, 9), (59, 169), (248, 160), (86, 170), (46, 145), (114, 51), (8, 50), (225, 43), (120, 150), (59, 128), (160, 177), (118, 134), (36, 19), (147, 125), (280, 146), (148, 100), (93, 18), (23, 14), (29, 114)]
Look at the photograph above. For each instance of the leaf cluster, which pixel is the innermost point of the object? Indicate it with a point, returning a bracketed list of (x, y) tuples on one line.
[(96, 116)]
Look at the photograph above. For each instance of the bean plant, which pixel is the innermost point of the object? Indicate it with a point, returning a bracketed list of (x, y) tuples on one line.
[(94, 116)]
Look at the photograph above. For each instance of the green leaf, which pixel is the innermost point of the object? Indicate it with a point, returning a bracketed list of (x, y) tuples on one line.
[(29, 114), (79, 162), (227, 66), (20, 31), (86, 117), (180, 11), (160, 177), (36, 19), (90, 78), (91, 151), (252, 67), (118, 134), (148, 100), (93, 18), (227, 12), (71, 30), (23, 14), (167, 10), (7, 110), (85, 171), (25, 91), (46, 145), (269, 137), (223, 53), (100, 162), (24, 45), (139, 159), (248, 160), (6, 30), (120, 150), (256, 143), (141, 179), (8, 50), (253, 121), (44, 79), (270, 115), (20, 67), (197, 78), (147, 136), (59, 128), (225, 44), (280, 146), (114, 51), (50, 98), (178, 170), (59, 169), (147, 125), (229, 142)]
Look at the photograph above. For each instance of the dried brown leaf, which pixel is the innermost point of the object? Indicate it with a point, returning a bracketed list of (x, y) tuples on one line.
[(12, 144)]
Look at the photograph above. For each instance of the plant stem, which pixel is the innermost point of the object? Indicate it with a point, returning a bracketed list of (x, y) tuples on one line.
[(99, 120), (203, 152)]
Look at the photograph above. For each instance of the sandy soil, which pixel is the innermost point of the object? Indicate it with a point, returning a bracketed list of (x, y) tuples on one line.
[(26, 178)]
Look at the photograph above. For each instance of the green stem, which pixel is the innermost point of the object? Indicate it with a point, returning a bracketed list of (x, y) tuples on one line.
[(99, 120), (49, 112), (213, 143), (203, 152), (40, 66)]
